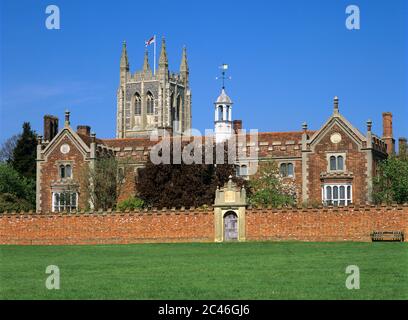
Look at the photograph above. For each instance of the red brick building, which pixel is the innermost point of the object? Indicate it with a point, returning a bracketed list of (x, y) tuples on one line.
[(333, 165)]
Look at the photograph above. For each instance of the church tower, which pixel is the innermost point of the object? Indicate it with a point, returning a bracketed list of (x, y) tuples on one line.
[(147, 101)]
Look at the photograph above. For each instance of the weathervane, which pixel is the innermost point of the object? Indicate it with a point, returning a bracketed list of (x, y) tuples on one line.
[(224, 68)]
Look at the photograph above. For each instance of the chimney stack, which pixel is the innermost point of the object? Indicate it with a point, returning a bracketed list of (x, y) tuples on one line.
[(50, 127), (84, 130), (237, 126), (387, 132), (67, 122)]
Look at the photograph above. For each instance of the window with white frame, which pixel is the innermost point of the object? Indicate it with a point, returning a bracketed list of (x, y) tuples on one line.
[(337, 194), (64, 201), (242, 170), (286, 169)]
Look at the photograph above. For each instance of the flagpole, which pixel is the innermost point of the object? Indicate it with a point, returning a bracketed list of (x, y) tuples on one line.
[(154, 59)]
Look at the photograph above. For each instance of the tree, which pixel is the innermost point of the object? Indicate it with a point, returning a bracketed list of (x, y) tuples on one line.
[(7, 148), (391, 181), (103, 182), (16, 191), (176, 185), (269, 188), (24, 154)]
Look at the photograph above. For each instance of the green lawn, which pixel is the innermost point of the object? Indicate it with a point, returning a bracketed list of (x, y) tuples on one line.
[(252, 270)]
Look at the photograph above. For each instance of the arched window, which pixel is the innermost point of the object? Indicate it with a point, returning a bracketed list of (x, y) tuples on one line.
[(283, 169), (337, 194), (290, 170), (332, 163), (65, 171), (138, 105), (220, 114), (336, 163), (68, 171), (150, 103), (340, 163), (62, 171), (286, 169), (172, 108), (227, 111), (178, 106)]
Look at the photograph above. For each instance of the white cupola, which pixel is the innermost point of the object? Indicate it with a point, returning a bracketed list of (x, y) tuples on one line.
[(223, 117)]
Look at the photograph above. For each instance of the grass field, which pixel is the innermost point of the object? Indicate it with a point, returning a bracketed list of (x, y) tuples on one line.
[(257, 270)]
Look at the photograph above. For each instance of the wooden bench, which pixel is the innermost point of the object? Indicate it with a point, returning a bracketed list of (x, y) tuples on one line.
[(387, 236)]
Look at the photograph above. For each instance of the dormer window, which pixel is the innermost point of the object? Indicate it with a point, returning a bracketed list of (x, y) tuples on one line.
[(65, 171)]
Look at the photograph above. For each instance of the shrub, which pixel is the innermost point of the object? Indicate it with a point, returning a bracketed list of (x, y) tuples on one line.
[(131, 203)]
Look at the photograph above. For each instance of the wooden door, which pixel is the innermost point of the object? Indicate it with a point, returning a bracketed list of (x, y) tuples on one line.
[(230, 226)]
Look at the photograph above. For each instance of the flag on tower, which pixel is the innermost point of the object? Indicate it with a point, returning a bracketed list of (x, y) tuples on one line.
[(150, 41)]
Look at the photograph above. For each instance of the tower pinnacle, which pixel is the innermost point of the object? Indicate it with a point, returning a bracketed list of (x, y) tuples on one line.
[(146, 66), (184, 62), (163, 62), (124, 62)]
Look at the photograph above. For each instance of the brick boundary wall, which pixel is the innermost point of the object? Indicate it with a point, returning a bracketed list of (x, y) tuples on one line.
[(325, 224), (194, 225), (107, 227)]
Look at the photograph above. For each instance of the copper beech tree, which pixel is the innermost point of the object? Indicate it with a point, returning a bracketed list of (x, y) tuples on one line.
[(183, 185)]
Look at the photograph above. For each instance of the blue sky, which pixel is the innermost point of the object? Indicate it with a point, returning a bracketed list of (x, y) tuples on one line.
[(288, 59)]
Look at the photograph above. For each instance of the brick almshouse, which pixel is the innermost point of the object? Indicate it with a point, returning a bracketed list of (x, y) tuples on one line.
[(332, 166)]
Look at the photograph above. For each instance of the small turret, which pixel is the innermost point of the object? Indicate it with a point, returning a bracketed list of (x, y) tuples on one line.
[(184, 63)]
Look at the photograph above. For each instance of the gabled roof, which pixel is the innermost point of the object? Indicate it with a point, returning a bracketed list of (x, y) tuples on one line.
[(67, 130), (338, 119)]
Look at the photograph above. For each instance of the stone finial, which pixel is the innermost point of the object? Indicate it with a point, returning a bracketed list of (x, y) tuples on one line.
[(146, 65), (304, 126), (163, 62), (336, 104), (230, 182), (369, 125), (184, 63), (39, 139), (124, 62), (67, 122), (93, 137)]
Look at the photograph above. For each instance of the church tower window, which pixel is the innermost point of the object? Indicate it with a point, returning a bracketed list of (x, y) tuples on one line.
[(138, 105), (150, 103)]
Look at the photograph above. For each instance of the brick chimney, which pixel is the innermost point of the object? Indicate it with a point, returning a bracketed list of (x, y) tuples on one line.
[(237, 126), (84, 130), (50, 127), (402, 146), (387, 132)]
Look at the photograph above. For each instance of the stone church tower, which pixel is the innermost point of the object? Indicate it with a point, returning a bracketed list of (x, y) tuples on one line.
[(147, 101)]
